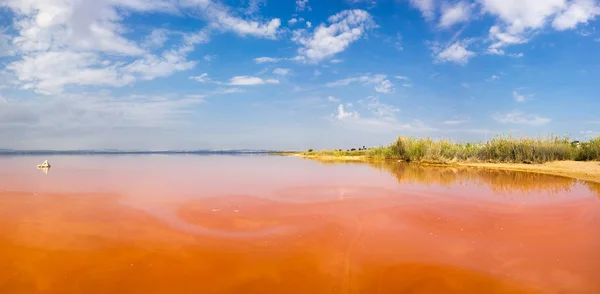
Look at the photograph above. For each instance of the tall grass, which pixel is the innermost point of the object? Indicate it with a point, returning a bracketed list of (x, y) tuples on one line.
[(589, 150), (500, 149)]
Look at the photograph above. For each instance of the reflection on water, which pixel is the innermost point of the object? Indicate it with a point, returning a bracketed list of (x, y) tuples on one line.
[(595, 187), (44, 169), (497, 180), (284, 225)]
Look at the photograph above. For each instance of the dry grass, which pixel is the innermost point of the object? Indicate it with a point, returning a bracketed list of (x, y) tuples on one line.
[(500, 149)]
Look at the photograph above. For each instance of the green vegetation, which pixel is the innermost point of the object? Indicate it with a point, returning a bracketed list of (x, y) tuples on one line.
[(589, 150), (500, 149)]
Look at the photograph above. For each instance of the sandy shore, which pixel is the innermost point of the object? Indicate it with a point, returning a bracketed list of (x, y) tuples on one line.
[(583, 170)]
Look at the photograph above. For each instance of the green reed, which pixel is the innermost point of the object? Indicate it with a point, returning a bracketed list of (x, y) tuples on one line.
[(499, 149)]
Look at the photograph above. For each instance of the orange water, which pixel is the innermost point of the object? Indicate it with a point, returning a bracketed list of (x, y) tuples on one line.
[(261, 224)]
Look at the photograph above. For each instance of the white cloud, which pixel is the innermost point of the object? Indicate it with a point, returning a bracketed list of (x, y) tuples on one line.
[(199, 97), (364, 79), (465, 85), (518, 20), (148, 5), (222, 18), (156, 39), (61, 44), (282, 71), (333, 99), (385, 87), (401, 78), (398, 42), (294, 21), (453, 14), (521, 15), (153, 66), (95, 120), (456, 122), (578, 11), (309, 24), (250, 81), (427, 8), (95, 111), (502, 39), (301, 5), (585, 33), (203, 78), (342, 114), (383, 118), (345, 28), (6, 45), (519, 97), (456, 53), (336, 61), (516, 55), (317, 73), (52, 25), (254, 6), (7, 79), (520, 118), (260, 60), (228, 91), (199, 37), (493, 78), (495, 51), (209, 57), (49, 72), (382, 84), (379, 109), (371, 2)]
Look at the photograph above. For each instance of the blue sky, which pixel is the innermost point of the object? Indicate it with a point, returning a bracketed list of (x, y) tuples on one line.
[(266, 74)]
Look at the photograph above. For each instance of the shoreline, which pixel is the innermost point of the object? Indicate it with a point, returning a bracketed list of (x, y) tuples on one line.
[(581, 170)]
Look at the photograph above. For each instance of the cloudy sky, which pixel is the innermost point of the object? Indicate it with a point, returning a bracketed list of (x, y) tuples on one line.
[(293, 74)]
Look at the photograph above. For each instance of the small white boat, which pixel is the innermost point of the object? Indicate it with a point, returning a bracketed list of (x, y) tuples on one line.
[(45, 164)]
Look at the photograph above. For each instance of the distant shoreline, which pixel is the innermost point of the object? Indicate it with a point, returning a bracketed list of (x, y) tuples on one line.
[(123, 152), (582, 170)]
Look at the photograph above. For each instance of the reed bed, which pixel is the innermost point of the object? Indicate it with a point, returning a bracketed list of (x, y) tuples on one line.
[(501, 149)]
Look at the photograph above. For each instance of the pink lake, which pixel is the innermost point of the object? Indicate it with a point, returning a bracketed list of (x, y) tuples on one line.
[(270, 224)]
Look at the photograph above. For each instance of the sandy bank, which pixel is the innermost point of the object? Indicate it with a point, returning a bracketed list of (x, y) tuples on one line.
[(583, 170)]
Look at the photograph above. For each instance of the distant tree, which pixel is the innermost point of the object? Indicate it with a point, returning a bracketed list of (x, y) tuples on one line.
[(310, 150)]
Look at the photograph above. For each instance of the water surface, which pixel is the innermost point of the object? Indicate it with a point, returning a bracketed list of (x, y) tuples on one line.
[(266, 224)]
